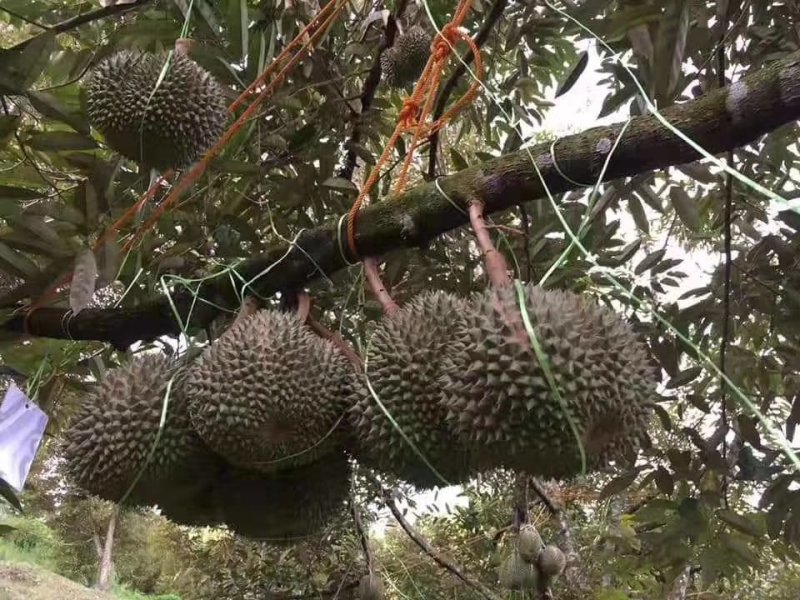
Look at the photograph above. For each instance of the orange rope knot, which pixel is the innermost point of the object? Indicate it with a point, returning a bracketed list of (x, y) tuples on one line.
[(445, 41), (408, 114)]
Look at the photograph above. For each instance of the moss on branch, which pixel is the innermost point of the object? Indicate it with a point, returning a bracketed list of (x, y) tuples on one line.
[(719, 121)]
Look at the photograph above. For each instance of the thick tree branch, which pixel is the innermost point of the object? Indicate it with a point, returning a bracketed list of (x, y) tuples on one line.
[(721, 120), (83, 19)]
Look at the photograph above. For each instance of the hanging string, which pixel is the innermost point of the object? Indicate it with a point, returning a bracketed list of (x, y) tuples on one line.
[(418, 107)]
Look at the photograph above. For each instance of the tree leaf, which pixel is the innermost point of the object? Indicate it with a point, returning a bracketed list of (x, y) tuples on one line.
[(459, 162), (60, 140), (19, 69), (664, 481), (5, 529), (573, 74), (650, 261), (52, 107), (8, 125), (9, 191), (618, 484), (16, 263), (684, 377), (740, 523), (7, 492), (673, 29), (638, 214), (340, 184), (685, 207), (84, 277)]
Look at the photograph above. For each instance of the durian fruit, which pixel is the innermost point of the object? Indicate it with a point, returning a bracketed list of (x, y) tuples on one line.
[(516, 574), (269, 394), (159, 123), (287, 506), (552, 562), (371, 588), (500, 400), (404, 62), (110, 439), (529, 543), (404, 364)]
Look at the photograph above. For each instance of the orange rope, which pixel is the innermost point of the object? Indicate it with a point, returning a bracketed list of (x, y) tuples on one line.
[(199, 169), (414, 112)]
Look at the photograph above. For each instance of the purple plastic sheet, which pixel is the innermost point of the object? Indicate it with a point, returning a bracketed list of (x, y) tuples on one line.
[(22, 425)]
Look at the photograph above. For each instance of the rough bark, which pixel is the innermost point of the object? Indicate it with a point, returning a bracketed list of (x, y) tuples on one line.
[(718, 121)]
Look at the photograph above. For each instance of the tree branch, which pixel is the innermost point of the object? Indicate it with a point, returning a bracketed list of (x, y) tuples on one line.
[(371, 84), (492, 17), (718, 121), (443, 562), (83, 19)]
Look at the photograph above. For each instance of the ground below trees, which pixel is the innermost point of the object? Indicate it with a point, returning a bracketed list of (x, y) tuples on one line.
[(28, 582)]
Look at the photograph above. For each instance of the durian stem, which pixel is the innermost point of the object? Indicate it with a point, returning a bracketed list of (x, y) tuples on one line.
[(184, 46), (248, 308), (376, 285), (496, 267), (303, 307), (338, 341)]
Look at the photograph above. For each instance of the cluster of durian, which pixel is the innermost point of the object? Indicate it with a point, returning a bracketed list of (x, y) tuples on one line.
[(456, 387), (162, 111), (530, 566), (403, 63), (252, 437), (259, 430)]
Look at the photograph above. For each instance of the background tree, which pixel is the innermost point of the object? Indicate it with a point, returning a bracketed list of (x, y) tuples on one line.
[(710, 508)]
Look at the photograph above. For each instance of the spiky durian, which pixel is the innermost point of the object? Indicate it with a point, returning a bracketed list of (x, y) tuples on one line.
[(113, 436), (159, 123), (552, 562), (286, 506), (499, 397), (403, 368), (516, 574), (404, 62), (529, 543), (269, 394)]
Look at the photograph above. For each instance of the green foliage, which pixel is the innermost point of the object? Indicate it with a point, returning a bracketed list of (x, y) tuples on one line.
[(728, 512)]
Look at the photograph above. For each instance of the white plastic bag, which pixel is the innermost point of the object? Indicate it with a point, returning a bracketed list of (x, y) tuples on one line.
[(22, 425)]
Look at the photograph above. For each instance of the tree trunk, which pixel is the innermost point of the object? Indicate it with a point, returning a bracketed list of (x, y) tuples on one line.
[(106, 566)]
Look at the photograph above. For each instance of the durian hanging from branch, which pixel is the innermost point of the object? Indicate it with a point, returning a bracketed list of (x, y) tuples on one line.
[(162, 111), (543, 381), (404, 62)]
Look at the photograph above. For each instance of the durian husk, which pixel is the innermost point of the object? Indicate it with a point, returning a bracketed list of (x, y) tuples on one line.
[(159, 122), (110, 440), (499, 398), (404, 364), (286, 507), (404, 62), (269, 394)]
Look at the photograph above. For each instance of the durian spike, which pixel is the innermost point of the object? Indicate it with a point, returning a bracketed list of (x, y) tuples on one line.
[(376, 285), (496, 267)]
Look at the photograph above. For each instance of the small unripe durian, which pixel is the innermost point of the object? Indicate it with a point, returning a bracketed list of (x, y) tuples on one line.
[(529, 543), (516, 574), (160, 118), (552, 561)]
